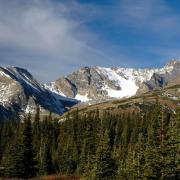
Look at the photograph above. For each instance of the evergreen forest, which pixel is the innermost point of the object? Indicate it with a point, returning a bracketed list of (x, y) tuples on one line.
[(96, 146)]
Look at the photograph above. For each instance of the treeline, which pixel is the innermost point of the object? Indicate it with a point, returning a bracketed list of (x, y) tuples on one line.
[(128, 146)]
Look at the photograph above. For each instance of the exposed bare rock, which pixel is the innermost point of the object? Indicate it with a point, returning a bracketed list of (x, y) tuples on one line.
[(20, 92)]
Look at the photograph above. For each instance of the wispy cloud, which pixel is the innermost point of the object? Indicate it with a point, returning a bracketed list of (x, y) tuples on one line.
[(47, 32), (53, 37)]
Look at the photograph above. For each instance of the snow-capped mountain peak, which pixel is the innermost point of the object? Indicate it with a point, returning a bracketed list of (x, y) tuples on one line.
[(20, 92), (101, 83)]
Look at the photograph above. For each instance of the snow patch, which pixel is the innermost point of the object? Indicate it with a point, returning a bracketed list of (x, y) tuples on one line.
[(82, 98), (51, 87), (127, 84), (29, 109), (4, 74), (6, 92)]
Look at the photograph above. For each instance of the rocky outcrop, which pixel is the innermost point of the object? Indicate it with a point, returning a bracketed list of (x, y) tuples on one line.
[(20, 92), (66, 87)]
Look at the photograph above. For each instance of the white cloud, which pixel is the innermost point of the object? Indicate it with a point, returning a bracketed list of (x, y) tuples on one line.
[(51, 37), (47, 32)]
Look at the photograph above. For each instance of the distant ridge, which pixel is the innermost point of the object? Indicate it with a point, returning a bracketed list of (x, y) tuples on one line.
[(100, 83), (21, 93)]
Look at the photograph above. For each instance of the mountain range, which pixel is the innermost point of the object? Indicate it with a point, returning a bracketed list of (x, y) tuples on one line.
[(99, 83), (21, 93)]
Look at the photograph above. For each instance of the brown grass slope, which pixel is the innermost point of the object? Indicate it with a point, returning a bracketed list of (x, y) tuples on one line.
[(169, 97)]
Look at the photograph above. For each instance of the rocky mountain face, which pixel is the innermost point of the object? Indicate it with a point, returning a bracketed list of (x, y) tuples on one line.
[(99, 83), (20, 92)]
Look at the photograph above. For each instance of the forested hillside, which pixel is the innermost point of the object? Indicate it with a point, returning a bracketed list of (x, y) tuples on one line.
[(133, 145)]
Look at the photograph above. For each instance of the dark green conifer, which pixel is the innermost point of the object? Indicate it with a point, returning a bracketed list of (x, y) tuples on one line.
[(46, 167), (13, 161), (105, 167), (28, 153)]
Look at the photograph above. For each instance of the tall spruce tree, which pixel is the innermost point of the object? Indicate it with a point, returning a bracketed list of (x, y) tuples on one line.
[(106, 166), (153, 156), (36, 129), (139, 159), (19, 158), (172, 158), (88, 148), (27, 150), (13, 161), (46, 167), (157, 151)]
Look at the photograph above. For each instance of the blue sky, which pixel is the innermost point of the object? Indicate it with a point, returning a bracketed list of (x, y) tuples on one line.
[(55, 37)]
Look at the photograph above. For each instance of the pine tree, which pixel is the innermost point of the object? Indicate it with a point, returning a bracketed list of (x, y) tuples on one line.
[(68, 157), (157, 150), (36, 129), (106, 166), (139, 159), (172, 146), (153, 156), (13, 160), (88, 148), (27, 150), (46, 167)]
